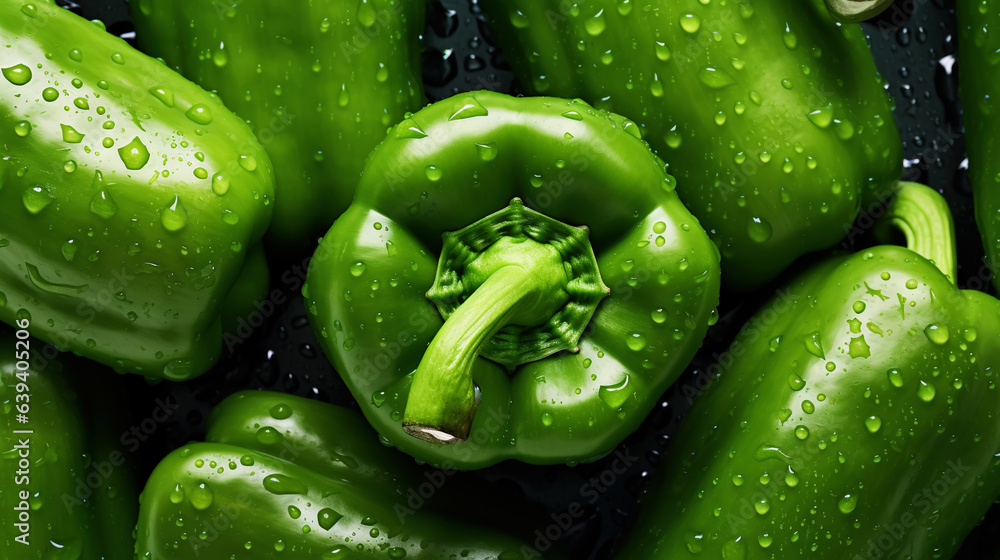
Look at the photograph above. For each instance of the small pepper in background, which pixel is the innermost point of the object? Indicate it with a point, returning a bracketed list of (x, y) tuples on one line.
[(772, 116), (319, 82), (859, 419), (294, 478), (518, 369), (131, 199), (979, 88), (81, 498)]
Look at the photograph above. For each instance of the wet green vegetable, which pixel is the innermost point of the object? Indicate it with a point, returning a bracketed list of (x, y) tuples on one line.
[(285, 477), (523, 367), (67, 484), (319, 82), (771, 116), (130, 197), (979, 86), (859, 418)]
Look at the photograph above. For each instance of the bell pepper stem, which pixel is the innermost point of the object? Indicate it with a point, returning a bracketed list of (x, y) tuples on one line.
[(852, 11), (442, 400), (923, 216)]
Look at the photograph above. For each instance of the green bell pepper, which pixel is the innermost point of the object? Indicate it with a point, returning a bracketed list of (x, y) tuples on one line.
[(979, 78), (515, 289), (319, 82), (858, 419), (285, 477), (771, 116), (67, 487), (130, 197)]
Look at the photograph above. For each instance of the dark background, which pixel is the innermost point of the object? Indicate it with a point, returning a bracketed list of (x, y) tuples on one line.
[(915, 45)]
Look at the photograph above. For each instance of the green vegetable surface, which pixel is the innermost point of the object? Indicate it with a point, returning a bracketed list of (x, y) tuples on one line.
[(319, 82), (558, 339), (859, 420), (67, 488), (771, 116), (979, 86), (285, 477), (130, 199)]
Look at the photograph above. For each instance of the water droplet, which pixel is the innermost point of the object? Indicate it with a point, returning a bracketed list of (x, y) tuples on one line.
[(796, 382), (29, 10), (937, 333), (690, 23), (201, 496), (858, 348), (36, 199), (662, 51), (344, 97), (821, 117), (616, 394), (174, 217), (22, 129), (328, 518), (199, 114), (487, 151), (177, 494), (673, 138), (895, 378), (791, 40), (357, 269), (433, 173), (808, 407), (19, 74), (765, 540), (596, 25), (134, 155), (281, 484), (926, 391), (847, 504), (70, 135), (248, 162), (693, 541), (546, 419), (801, 432), (814, 345), (791, 479), (117, 58), (759, 229), (366, 13), (659, 315), (220, 57), (636, 342), (220, 183), (164, 95), (103, 205), (873, 423), (715, 78)]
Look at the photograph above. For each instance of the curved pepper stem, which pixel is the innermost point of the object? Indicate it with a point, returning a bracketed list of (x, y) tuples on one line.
[(442, 401), (923, 216), (513, 287), (852, 11)]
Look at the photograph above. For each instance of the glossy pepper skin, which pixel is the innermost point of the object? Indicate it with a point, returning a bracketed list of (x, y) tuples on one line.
[(130, 197), (444, 170), (772, 118), (858, 419), (81, 495), (298, 479), (979, 85), (319, 82)]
